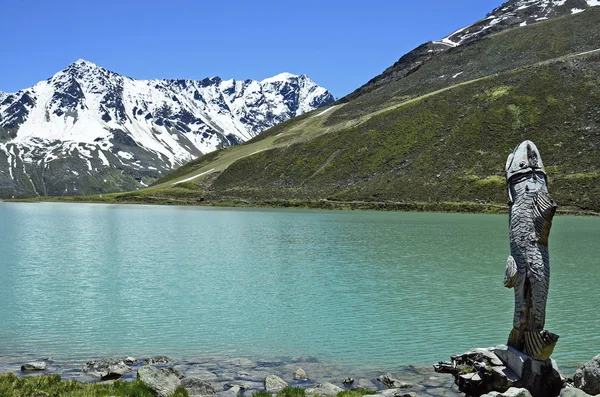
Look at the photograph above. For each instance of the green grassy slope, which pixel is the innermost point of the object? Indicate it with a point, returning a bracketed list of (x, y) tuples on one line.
[(448, 147), (438, 135), (499, 53)]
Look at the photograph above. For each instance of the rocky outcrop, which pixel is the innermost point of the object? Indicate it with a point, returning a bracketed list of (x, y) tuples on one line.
[(480, 371), (163, 382), (587, 378)]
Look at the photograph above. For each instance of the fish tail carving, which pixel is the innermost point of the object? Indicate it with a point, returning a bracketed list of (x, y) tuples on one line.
[(540, 345)]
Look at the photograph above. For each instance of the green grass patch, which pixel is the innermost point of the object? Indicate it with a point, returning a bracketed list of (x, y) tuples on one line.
[(290, 391), (12, 385)]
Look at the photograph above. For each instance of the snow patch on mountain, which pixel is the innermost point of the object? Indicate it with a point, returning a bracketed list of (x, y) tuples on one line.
[(515, 13)]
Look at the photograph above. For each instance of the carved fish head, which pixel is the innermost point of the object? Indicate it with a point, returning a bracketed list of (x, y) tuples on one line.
[(526, 158)]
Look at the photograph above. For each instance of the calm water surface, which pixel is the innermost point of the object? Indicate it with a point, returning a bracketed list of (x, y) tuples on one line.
[(370, 288)]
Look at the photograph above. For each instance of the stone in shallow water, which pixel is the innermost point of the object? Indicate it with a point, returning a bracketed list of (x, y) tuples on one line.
[(299, 374), (34, 366), (197, 387), (365, 384), (390, 382), (397, 393), (197, 372), (274, 383), (157, 360), (232, 392), (106, 369), (240, 362), (587, 378), (324, 389)]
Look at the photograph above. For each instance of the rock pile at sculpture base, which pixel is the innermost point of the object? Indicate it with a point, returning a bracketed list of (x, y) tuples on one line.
[(496, 369)]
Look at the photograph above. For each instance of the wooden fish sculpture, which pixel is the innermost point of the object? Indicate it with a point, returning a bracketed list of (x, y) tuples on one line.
[(528, 266)]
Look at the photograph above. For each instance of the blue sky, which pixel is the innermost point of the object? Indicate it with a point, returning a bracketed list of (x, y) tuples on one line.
[(339, 44)]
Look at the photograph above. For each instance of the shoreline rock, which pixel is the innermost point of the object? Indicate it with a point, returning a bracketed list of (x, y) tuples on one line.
[(228, 377), (587, 377)]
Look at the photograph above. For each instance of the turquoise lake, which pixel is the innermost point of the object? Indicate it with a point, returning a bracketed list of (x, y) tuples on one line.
[(377, 289)]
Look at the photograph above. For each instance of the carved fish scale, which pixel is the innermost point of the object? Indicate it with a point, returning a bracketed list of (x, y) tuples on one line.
[(528, 266)]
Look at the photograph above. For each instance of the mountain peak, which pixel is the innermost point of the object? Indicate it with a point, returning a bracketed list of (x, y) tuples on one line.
[(285, 76), (83, 62), (83, 65)]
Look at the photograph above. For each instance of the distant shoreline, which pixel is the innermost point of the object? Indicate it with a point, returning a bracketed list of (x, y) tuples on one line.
[(444, 207)]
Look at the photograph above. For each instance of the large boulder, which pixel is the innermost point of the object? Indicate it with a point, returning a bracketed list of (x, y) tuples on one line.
[(161, 381), (324, 390), (573, 392), (587, 378)]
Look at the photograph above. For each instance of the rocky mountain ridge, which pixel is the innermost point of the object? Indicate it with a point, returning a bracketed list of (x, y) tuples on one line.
[(511, 14), (90, 130)]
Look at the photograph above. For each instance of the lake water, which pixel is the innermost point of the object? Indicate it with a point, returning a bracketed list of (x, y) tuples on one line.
[(355, 288)]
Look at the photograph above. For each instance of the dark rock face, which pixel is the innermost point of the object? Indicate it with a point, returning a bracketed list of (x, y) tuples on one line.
[(17, 111)]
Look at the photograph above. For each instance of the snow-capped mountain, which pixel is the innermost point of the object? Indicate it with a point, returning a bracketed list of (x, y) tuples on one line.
[(511, 14), (87, 129)]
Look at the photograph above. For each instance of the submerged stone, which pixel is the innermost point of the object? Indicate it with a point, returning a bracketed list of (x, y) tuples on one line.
[(324, 389), (197, 387), (34, 366)]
